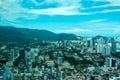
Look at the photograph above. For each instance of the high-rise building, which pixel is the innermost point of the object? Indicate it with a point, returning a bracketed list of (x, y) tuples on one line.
[(22, 61), (101, 40), (106, 50), (59, 60), (22, 54), (24, 77), (43, 68), (99, 48), (90, 42), (61, 75), (45, 77), (8, 75), (54, 74), (110, 62), (87, 42), (12, 55), (117, 46), (113, 47), (29, 66)]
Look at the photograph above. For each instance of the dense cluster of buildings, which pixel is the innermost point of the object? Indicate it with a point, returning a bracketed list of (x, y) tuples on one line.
[(95, 58)]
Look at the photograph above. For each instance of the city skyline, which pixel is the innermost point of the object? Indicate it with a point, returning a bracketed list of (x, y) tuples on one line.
[(85, 18)]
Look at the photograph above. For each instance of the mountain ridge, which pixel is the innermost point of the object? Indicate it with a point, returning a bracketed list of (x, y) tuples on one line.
[(13, 34)]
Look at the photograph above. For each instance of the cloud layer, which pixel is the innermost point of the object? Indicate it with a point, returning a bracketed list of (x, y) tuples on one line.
[(91, 14), (65, 7)]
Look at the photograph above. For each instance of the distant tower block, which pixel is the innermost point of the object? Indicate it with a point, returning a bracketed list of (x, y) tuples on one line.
[(99, 48), (113, 47), (106, 50), (117, 46), (8, 75), (12, 55), (110, 62), (59, 60)]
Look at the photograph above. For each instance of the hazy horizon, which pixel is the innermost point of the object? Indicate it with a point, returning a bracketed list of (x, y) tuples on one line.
[(80, 17)]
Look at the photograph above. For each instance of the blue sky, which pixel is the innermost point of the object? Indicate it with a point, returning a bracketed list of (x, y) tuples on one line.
[(81, 17)]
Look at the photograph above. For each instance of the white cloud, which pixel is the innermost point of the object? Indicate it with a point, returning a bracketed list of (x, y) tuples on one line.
[(99, 0), (65, 2), (71, 10), (77, 30), (37, 3), (107, 11), (110, 4), (114, 1), (60, 3), (66, 7), (98, 25), (106, 28), (103, 6), (117, 30), (97, 20), (11, 10)]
